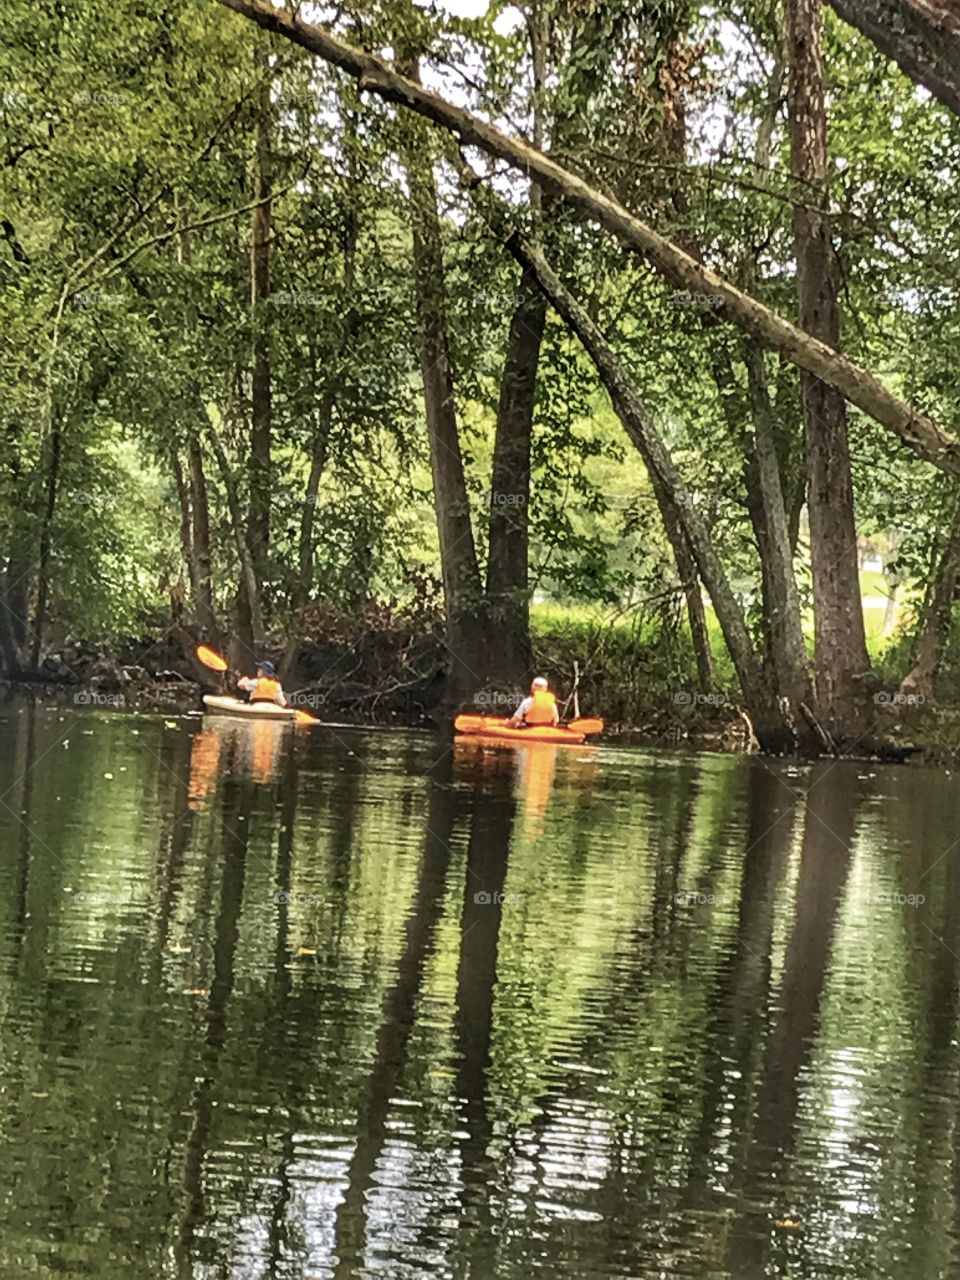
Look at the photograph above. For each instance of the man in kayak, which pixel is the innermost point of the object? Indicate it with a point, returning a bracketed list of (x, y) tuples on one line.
[(539, 708), (264, 686)]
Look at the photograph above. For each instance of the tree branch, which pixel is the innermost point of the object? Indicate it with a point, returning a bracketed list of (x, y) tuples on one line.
[(926, 437)]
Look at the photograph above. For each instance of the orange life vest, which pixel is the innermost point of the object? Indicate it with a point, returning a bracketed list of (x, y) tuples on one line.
[(266, 690), (542, 709)]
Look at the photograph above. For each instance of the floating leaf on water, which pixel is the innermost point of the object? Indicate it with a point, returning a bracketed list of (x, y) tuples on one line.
[(789, 1223), (109, 776), (179, 951), (196, 991), (39, 1095), (170, 724), (306, 951)]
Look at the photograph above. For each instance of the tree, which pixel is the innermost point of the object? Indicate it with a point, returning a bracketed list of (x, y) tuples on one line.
[(842, 664), (923, 36)]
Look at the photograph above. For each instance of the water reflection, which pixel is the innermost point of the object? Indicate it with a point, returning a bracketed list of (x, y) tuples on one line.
[(354, 1004)]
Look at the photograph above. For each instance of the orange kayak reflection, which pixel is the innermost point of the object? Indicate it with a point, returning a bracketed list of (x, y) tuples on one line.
[(531, 771), (246, 748)]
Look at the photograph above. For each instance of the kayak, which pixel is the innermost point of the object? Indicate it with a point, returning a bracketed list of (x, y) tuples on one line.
[(250, 710), (498, 727)]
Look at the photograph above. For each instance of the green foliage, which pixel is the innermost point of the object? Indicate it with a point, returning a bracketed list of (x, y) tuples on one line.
[(126, 185)]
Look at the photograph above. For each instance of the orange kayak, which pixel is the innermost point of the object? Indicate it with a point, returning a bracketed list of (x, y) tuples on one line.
[(498, 727)]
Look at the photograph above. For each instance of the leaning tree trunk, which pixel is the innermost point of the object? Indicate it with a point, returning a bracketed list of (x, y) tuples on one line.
[(841, 660), (689, 582), (466, 628), (922, 36), (920, 433), (937, 618), (772, 730)]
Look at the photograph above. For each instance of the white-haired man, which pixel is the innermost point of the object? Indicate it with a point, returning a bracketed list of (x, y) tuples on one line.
[(539, 708)]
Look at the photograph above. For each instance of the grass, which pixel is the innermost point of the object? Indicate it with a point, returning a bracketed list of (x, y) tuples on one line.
[(632, 660)]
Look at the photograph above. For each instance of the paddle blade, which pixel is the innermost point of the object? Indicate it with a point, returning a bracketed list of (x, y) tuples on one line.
[(210, 658), (586, 724), (304, 717), (473, 724)]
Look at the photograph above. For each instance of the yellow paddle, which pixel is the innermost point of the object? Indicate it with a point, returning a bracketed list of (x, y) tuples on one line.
[(217, 662)]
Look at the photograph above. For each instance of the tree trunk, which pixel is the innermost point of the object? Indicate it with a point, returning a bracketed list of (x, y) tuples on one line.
[(508, 562), (53, 453), (258, 526), (922, 37), (186, 529), (305, 557), (466, 628), (690, 584), (206, 614), (250, 621), (937, 618), (841, 660), (508, 598), (787, 649), (773, 732), (15, 601), (922, 434)]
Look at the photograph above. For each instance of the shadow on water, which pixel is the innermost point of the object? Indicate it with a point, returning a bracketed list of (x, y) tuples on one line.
[(357, 1007), (488, 812), (829, 812), (235, 810)]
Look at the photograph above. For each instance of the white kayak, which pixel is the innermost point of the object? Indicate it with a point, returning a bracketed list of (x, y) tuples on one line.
[(250, 710)]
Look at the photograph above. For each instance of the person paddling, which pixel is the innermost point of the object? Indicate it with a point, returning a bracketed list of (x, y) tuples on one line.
[(539, 708), (264, 686)]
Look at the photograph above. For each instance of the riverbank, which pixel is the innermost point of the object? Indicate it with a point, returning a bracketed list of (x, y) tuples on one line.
[(930, 736), (637, 678)]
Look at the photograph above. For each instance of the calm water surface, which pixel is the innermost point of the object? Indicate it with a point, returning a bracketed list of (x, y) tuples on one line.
[(345, 1003)]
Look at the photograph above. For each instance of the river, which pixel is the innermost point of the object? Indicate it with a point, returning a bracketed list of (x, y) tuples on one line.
[(337, 1002)]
